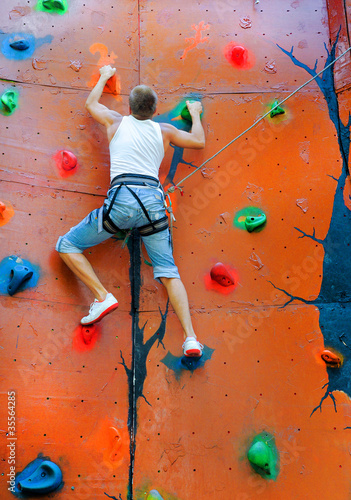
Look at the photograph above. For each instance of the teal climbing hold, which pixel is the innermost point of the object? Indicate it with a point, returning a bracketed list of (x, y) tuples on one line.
[(9, 101), (263, 456), (20, 45), (154, 495), (185, 112), (276, 110), (19, 274), (253, 222), (46, 478)]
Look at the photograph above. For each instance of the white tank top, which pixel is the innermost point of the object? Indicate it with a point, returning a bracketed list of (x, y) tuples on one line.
[(136, 148)]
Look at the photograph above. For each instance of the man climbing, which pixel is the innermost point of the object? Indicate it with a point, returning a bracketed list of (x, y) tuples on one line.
[(135, 199)]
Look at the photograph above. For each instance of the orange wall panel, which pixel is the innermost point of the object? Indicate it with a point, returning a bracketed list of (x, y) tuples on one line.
[(118, 408)]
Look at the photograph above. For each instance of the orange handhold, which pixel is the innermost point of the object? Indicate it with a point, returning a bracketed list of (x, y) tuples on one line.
[(69, 161), (221, 275), (112, 85), (2, 209), (331, 358), (6, 212), (115, 440)]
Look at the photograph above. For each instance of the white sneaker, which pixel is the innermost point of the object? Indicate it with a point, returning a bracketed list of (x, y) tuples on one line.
[(99, 309), (192, 348)]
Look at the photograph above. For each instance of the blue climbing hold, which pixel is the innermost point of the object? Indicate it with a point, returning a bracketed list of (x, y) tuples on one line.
[(19, 274), (20, 45), (46, 478)]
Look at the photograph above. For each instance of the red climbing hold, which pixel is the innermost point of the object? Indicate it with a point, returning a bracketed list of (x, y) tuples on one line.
[(238, 56), (85, 337), (331, 358), (66, 163), (222, 278), (221, 275), (69, 161), (88, 333)]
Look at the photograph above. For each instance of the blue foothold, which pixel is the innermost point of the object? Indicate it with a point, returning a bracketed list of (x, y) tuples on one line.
[(20, 45), (19, 274), (46, 478), (190, 362)]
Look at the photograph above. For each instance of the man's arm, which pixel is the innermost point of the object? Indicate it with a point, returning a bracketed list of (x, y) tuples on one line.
[(97, 110), (195, 139)]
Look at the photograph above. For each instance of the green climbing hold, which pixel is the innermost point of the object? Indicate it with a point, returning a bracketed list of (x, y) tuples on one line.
[(53, 6), (263, 456), (9, 101), (276, 110), (185, 112), (253, 222)]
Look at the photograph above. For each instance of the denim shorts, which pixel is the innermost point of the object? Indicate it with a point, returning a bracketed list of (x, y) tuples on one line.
[(126, 213)]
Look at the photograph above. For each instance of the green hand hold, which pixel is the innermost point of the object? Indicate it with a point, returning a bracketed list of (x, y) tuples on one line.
[(263, 456), (9, 101), (276, 111), (54, 5), (259, 455), (185, 112), (252, 222)]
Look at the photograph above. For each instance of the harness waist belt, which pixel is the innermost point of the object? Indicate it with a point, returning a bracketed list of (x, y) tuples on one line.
[(135, 180)]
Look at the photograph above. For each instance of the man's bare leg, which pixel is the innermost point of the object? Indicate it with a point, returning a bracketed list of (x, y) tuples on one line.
[(179, 300), (81, 267)]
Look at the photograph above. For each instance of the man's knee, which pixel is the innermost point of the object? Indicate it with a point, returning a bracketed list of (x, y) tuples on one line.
[(64, 246), (167, 281)]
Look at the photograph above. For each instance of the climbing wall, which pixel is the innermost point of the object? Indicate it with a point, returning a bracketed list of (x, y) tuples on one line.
[(261, 240)]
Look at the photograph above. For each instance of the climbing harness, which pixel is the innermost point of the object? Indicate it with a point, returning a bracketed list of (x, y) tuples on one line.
[(171, 189), (136, 180)]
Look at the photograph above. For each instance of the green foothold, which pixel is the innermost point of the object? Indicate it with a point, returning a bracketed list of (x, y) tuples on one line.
[(9, 101), (185, 112), (263, 456), (252, 222), (276, 111)]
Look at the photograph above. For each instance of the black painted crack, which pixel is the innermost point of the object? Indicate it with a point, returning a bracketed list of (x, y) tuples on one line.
[(137, 372), (334, 297)]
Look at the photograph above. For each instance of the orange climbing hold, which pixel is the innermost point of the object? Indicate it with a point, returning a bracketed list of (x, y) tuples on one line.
[(6, 212), (332, 359), (2, 209)]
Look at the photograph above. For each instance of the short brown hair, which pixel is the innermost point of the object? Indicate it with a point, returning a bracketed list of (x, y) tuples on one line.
[(143, 101)]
